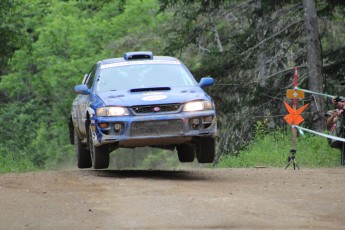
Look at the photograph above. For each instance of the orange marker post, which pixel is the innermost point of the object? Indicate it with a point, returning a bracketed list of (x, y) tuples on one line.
[(294, 118)]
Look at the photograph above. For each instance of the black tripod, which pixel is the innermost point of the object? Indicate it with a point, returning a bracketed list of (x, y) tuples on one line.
[(292, 158)]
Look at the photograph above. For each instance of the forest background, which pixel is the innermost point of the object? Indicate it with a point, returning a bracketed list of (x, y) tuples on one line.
[(248, 46)]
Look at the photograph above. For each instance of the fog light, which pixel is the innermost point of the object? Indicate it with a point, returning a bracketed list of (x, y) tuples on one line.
[(195, 121), (117, 127), (208, 119)]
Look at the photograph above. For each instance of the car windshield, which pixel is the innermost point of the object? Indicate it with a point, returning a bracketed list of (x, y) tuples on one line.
[(143, 75)]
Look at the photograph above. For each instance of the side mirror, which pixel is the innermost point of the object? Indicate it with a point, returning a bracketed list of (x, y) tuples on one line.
[(82, 89), (206, 81)]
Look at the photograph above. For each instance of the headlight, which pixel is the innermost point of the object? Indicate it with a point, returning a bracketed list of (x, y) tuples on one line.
[(197, 106), (112, 111)]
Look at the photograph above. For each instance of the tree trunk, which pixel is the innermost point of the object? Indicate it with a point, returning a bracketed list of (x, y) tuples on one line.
[(216, 34), (314, 64), (260, 35)]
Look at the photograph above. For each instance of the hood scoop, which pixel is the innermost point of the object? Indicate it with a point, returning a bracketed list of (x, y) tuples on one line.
[(149, 89)]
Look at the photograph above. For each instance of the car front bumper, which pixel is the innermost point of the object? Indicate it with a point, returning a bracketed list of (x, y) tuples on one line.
[(153, 130)]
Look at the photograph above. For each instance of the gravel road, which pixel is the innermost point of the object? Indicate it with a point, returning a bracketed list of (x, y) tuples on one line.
[(263, 198)]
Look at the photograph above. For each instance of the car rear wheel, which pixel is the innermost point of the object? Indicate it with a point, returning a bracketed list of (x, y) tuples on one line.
[(206, 150), (99, 155), (83, 155), (186, 152)]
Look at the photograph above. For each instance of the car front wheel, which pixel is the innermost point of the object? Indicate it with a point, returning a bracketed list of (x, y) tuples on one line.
[(186, 152), (99, 155), (206, 150)]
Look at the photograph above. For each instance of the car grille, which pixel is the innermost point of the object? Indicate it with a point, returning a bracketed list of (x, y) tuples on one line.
[(157, 128), (152, 109)]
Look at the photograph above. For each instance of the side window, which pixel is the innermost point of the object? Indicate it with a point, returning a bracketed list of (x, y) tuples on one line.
[(91, 77)]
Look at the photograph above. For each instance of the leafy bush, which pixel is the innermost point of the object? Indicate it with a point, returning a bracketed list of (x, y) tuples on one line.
[(15, 163)]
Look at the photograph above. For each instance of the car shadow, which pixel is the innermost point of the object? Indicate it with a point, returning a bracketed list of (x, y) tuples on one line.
[(185, 175)]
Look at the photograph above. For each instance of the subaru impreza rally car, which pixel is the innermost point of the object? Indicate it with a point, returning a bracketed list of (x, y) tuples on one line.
[(142, 100)]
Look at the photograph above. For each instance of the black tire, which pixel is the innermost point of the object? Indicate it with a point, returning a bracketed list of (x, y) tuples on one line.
[(206, 150), (83, 154), (186, 153), (99, 155)]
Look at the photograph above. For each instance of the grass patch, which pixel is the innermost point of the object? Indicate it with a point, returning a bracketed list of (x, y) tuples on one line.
[(273, 149), (15, 163)]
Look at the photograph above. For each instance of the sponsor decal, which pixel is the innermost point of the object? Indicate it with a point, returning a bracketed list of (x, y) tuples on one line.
[(154, 98), (152, 93)]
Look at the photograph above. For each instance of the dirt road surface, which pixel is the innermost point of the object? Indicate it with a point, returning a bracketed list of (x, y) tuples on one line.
[(265, 198)]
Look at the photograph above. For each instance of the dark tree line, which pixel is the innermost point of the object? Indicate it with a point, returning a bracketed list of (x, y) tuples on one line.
[(261, 41)]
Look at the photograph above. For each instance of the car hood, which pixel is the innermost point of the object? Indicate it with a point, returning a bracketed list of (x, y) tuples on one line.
[(174, 95)]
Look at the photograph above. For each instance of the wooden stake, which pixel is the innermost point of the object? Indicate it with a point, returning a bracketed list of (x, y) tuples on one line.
[(294, 105), (292, 158)]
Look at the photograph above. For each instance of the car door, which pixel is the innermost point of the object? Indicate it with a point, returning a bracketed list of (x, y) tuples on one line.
[(83, 101)]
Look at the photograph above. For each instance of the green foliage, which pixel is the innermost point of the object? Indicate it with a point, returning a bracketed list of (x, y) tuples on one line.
[(261, 128), (15, 163), (16, 135), (273, 149), (12, 30), (67, 38), (161, 159), (47, 47), (146, 158)]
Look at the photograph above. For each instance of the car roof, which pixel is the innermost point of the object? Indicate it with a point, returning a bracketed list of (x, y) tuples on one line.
[(139, 54)]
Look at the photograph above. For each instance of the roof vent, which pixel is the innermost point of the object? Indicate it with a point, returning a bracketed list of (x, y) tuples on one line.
[(138, 55)]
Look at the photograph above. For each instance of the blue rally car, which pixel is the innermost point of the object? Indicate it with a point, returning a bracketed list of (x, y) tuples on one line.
[(142, 100)]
